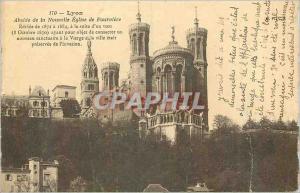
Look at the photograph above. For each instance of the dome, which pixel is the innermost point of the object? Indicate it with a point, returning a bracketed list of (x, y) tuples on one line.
[(38, 91), (172, 48)]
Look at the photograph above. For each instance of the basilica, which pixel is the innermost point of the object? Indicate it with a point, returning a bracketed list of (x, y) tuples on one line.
[(170, 69)]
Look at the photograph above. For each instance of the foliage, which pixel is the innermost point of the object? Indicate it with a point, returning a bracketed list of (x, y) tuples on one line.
[(78, 185), (266, 124), (71, 107), (23, 184), (116, 159), (224, 125)]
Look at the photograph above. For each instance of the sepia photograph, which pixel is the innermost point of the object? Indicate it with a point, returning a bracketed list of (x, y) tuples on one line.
[(149, 96)]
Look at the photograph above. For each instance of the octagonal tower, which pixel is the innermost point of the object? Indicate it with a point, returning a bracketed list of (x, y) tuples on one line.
[(196, 41), (140, 67)]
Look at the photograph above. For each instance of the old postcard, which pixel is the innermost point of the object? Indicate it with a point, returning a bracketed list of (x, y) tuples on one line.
[(149, 96)]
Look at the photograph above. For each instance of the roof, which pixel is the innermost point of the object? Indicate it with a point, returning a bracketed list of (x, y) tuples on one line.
[(200, 187), (200, 30), (89, 62), (38, 91), (171, 48), (155, 188), (63, 86), (4, 96), (15, 170), (13, 99), (113, 65), (139, 27), (38, 159)]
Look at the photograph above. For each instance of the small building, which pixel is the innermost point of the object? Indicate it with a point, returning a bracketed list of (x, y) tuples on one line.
[(36, 104), (12, 105), (36, 176), (200, 187), (155, 188), (39, 103), (63, 92)]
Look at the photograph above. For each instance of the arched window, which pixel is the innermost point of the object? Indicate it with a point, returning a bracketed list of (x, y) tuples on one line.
[(35, 103), (95, 72), (192, 45), (141, 44), (106, 79), (88, 102), (198, 48), (168, 79), (43, 104), (35, 113), (158, 79), (178, 78), (201, 48), (66, 94), (134, 43), (91, 87), (8, 177), (111, 79), (158, 70)]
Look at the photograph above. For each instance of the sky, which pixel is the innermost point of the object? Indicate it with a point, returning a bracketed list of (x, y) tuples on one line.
[(49, 66)]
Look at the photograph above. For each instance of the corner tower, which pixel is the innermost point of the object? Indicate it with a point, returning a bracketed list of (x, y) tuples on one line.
[(196, 41), (140, 67), (89, 79)]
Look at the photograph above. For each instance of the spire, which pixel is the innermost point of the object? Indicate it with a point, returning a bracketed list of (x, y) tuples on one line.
[(89, 44), (196, 21), (138, 15)]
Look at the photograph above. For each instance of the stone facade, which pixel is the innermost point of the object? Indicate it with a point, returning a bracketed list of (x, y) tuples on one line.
[(140, 64), (39, 103), (36, 176), (36, 104), (62, 92), (12, 105), (110, 75), (170, 69)]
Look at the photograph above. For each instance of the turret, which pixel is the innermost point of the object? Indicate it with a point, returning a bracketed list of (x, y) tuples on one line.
[(196, 41), (110, 75), (140, 75)]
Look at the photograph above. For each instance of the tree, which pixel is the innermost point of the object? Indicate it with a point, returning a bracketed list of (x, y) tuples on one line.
[(293, 126), (250, 124), (279, 125), (78, 185), (23, 184), (50, 185), (265, 123), (71, 108), (22, 112), (224, 125)]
